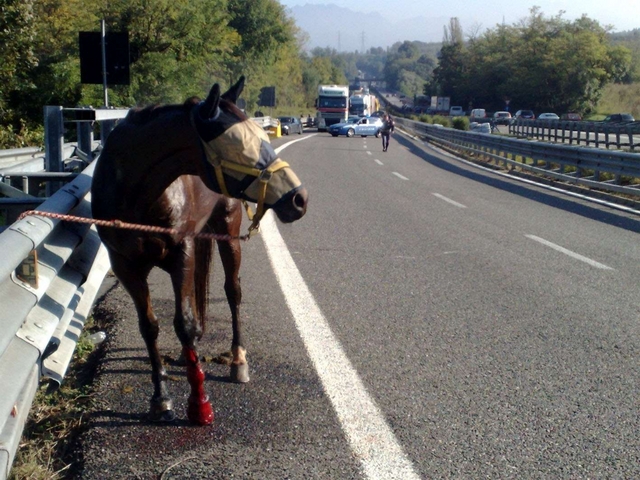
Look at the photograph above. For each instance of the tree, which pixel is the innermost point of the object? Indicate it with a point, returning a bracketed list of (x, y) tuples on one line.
[(176, 48), (452, 72), (268, 50), (408, 67), (17, 57), (540, 63)]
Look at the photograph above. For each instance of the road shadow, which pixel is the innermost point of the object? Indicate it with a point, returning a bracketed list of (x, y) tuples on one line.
[(569, 204)]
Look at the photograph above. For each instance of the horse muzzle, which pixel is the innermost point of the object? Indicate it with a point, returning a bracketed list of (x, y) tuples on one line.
[(292, 206)]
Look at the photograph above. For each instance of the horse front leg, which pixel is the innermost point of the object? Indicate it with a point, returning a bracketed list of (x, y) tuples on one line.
[(227, 219), (188, 327), (134, 281), (230, 254)]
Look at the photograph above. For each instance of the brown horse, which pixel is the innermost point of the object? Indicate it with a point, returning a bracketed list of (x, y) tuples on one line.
[(184, 167)]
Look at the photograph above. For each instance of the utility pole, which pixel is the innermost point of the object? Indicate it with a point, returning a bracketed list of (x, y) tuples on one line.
[(103, 46), (363, 36)]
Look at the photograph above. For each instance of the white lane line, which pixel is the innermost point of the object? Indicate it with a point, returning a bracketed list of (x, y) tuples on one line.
[(401, 177), (369, 153), (575, 255), (371, 439), (378, 162), (452, 202)]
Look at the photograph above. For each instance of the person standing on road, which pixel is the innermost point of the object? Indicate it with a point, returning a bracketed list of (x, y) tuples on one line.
[(385, 131)]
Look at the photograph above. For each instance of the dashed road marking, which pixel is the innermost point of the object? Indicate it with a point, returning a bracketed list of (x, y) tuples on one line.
[(401, 177), (572, 254), (448, 200)]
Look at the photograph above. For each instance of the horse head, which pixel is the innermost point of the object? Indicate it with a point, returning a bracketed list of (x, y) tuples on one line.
[(245, 164)]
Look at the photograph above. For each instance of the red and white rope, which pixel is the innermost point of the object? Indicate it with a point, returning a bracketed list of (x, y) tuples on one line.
[(131, 226)]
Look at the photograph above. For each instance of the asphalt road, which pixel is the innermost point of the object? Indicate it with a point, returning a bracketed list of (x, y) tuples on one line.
[(426, 319)]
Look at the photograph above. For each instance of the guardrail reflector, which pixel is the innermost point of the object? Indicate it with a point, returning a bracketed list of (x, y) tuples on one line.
[(27, 271)]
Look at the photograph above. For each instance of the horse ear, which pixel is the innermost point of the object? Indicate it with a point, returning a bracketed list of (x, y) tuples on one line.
[(210, 105), (234, 91)]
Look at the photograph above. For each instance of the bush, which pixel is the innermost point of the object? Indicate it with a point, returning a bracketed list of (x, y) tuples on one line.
[(444, 121), (26, 137), (461, 123)]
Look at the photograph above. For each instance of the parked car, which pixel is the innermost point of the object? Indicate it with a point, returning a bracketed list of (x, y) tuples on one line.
[(478, 113), (363, 126), (502, 118), (619, 117), (525, 115), (290, 125), (456, 112), (548, 116), (571, 116)]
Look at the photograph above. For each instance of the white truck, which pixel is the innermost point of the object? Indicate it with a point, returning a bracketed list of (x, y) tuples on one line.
[(440, 105), (332, 105), (363, 104)]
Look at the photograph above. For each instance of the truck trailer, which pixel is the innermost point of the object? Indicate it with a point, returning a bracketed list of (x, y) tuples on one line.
[(332, 105), (363, 104)]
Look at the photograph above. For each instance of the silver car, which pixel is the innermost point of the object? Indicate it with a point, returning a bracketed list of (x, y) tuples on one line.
[(290, 125)]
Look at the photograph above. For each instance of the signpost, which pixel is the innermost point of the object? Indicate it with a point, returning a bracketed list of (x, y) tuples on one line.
[(104, 58)]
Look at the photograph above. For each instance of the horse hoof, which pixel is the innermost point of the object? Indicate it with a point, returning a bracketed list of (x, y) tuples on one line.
[(161, 410), (240, 373), (163, 417), (200, 412)]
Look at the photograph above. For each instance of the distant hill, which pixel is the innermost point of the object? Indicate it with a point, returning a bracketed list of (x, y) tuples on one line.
[(347, 30)]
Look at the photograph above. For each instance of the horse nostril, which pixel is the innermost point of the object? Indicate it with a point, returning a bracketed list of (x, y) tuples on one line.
[(300, 201)]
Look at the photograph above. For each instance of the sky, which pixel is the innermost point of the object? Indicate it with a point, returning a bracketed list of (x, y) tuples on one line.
[(622, 15)]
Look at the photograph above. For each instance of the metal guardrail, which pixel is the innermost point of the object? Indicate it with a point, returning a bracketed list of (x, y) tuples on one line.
[(266, 122), (572, 164), (50, 274), (12, 158), (598, 134), (40, 321)]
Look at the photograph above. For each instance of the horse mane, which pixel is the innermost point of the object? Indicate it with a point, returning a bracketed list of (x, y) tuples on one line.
[(143, 115)]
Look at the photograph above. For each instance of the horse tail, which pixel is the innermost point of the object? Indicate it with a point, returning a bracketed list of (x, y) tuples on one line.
[(204, 250)]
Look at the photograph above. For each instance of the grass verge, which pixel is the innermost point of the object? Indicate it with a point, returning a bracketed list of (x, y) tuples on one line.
[(56, 419)]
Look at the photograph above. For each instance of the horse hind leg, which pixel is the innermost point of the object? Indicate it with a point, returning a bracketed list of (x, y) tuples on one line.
[(188, 325), (134, 281)]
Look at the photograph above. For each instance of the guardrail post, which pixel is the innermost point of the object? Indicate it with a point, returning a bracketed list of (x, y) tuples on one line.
[(54, 143), (85, 138), (105, 129)]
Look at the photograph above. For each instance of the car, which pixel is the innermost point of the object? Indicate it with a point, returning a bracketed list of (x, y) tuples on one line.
[(548, 116), (456, 112), (289, 125), (502, 118), (525, 115), (619, 117), (477, 113), (363, 126), (571, 116)]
